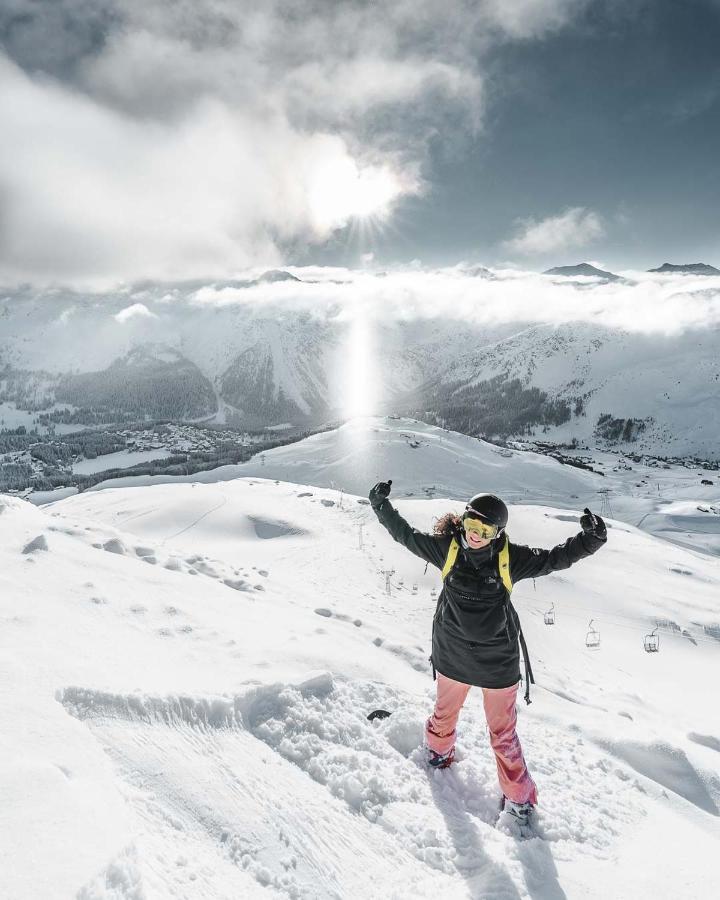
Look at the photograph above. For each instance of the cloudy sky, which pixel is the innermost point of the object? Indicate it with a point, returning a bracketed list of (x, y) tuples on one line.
[(197, 138)]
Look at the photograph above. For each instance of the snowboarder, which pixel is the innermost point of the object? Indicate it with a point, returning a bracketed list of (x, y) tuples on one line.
[(476, 633)]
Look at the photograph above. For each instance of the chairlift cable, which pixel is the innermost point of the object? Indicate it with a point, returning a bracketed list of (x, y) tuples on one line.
[(603, 613), (638, 627)]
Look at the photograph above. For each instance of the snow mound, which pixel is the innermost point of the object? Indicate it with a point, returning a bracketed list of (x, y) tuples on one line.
[(670, 768), (114, 545), (121, 880)]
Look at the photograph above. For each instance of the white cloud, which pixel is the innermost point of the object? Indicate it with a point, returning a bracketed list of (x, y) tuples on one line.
[(136, 311), (91, 190), (195, 138), (575, 227), (642, 302)]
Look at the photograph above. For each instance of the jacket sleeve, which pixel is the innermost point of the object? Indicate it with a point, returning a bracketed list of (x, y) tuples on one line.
[(432, 548), (532, 562)]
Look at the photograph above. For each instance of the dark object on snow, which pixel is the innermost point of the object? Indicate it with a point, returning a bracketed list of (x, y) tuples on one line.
[(549, 617), (378, 714)]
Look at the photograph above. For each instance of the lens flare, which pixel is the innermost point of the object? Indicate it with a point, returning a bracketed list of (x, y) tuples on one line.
[(359, 380)]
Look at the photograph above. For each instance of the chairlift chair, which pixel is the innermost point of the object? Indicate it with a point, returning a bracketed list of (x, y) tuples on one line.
[(652, 641), (549, 617), (592, 638)]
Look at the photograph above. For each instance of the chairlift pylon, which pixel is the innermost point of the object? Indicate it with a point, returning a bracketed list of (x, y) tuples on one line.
[(549, 617), (652, 641), (592, 638)]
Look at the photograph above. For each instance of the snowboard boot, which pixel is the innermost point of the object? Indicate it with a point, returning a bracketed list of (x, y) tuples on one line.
[(519, 812), (441, 760)]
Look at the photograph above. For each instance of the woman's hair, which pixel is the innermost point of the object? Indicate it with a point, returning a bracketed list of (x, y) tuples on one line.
[(448, 524)]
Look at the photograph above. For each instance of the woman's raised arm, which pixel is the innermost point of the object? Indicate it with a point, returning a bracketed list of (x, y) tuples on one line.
[(430, 547)]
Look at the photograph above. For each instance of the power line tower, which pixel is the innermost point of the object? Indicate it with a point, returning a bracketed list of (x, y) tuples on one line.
[(388, 573), (605, 505)]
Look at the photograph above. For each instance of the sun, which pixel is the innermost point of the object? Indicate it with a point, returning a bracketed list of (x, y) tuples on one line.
[(342, 191)]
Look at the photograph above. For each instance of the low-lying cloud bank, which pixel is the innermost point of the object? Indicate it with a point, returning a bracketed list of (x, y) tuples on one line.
[(641, 302)]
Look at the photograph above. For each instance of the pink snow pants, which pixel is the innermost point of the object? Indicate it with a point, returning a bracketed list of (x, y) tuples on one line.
[(501, 715)]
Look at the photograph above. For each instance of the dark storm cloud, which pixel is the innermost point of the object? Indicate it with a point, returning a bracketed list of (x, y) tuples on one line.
[(54, 36)]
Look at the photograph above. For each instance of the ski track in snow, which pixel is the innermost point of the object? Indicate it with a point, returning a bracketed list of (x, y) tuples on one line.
[(191, 765), (197, 521)]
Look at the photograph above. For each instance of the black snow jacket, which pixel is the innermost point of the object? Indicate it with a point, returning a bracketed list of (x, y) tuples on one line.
[(475, 628)]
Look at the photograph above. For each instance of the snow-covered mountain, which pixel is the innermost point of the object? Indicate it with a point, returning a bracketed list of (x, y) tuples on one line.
[(263, 366), (687, 268), (586, 270), (660, 394), (257, 364), (265, 352), (187, 670)]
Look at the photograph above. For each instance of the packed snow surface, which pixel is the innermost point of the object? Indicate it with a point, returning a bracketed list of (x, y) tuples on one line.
[(186, 671)]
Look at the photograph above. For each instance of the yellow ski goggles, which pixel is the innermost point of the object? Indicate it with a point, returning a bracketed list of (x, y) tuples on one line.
[(483, 530)]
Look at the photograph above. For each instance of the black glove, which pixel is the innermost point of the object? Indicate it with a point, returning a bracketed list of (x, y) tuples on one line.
[(594, 525), (379, 494)]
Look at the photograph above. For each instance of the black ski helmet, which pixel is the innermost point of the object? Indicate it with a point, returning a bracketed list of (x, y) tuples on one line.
[(490, 508)]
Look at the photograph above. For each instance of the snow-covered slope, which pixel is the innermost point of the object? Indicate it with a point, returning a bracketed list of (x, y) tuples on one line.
[(426, 461), (423, 460), (186, 671), (670, 384)]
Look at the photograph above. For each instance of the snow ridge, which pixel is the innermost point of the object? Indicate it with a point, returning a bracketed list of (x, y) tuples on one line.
[(195, 712)]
